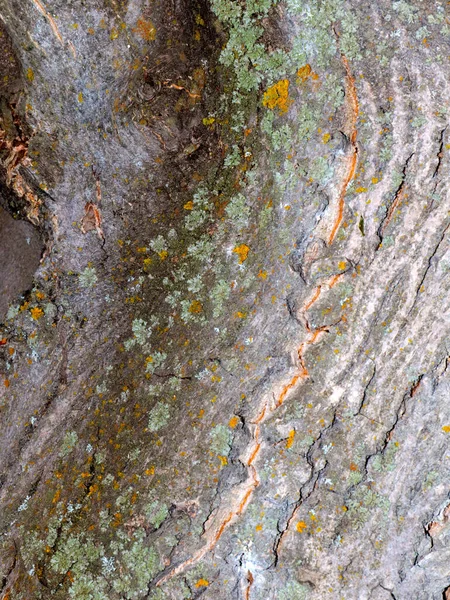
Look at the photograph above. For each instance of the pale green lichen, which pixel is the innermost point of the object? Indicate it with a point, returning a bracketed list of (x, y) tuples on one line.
[(86, 587), (221, 440), (294, 591), (158, 417), (219, 295), (139, 564), (159, 244), (155, 360), (156, 512), (75, 554), (386, 461), (69, 442), (88, 278), (238, 211), (364, 501)]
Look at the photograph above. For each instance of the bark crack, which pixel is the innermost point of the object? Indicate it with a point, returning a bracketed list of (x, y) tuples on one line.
[(398, 196)]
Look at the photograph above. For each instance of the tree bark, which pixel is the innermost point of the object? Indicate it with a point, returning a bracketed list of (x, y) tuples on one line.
[(224, 299)]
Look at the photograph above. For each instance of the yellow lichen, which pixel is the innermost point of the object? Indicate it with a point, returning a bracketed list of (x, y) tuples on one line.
[(242, 251), (277, 96), (290, 439), (233, 422), (223, 460), (301, 526), (303, 73), (36, 313), (202, 583), (195, 307)]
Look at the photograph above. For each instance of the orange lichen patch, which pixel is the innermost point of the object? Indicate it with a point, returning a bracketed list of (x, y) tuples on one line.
[(223, 460), (196, 307), (242, 251), (6, 383), (303, 73), (233, 422), (202, 583), (277, 96), (446, 428), (240, 315), (262, 275), (353, 467), (290, 439), (145, 29), (189, 205), (36, 313), (3, 341), (301, 526)]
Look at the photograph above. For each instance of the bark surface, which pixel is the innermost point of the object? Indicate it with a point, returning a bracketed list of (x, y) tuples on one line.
[(224, 294)]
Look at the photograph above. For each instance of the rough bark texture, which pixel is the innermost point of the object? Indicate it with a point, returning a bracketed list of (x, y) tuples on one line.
[(227, 376)]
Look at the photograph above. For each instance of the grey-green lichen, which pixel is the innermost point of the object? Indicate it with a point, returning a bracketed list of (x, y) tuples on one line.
[(88, 278), (294, 591), (220, 440), (69, 442), (158, 417), (156, 512)]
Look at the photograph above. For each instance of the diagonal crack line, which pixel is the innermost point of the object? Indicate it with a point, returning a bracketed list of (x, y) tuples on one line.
[(440, 153), (430, 258), (7, 575), (388, 590), (364, 396), (314, 477), (393, 205), (398, 416)]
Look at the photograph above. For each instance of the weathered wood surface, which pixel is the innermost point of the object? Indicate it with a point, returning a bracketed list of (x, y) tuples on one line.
[(228, 378)]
